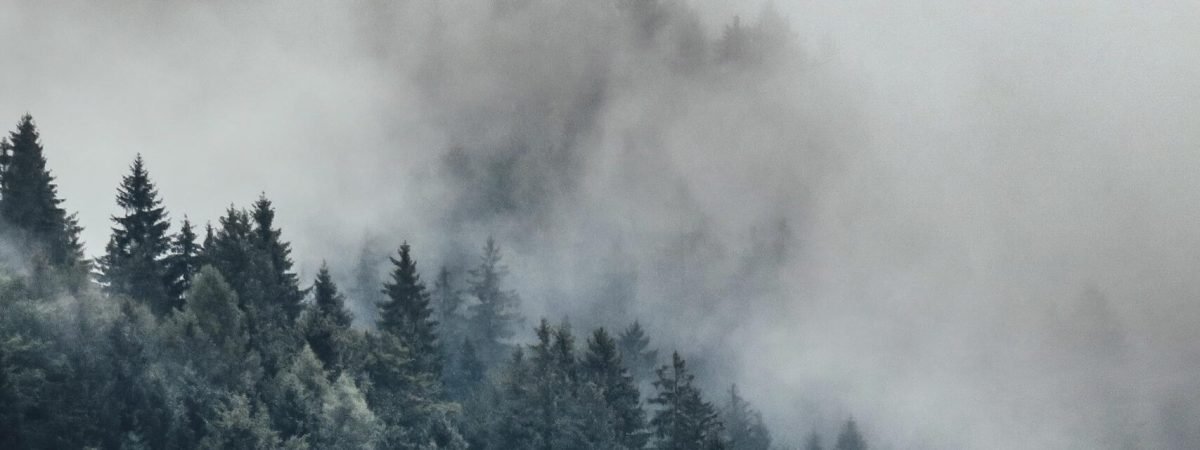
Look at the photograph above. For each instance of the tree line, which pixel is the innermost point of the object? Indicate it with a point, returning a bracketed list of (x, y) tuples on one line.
[(208, 338)]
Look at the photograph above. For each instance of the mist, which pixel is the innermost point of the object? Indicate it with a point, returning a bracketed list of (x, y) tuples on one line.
[(968, 225)]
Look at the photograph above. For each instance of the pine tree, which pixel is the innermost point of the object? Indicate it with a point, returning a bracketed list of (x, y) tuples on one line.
[(683, 421), (408, 315), (29, 201), (282, 285), (635, 354), (850, 438), (494, 316), (743, 426), (248, 251), (212, 333), (135, 260), (182, 263), (603, 365), (327, 323)]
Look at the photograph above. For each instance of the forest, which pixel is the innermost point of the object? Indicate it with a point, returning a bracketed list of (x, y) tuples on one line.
[(204, 336)]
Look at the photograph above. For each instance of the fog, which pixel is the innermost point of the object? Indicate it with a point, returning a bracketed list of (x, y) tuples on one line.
[(968, 224)]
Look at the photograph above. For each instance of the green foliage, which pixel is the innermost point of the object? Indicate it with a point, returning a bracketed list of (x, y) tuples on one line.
[(683, 419), (32, 219), (213, 346), (408, 315), (135, 259), (326, 324), (603, 367), (183, 262)]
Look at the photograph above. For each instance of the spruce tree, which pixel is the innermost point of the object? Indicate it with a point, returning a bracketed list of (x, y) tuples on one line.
[(603, 366), (683, 420), (135, 260), (408, 315), (327, 323), (495, 315), (29, 202), (850, 438), (182, 263), (282, 285)]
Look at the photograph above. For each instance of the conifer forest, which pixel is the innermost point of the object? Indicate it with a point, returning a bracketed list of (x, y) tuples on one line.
[(602, 224)]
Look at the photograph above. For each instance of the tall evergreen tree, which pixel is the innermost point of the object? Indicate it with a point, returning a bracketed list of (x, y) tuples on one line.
[(495, 315), (602, 363), (850, 438), (327, 323), (29, 201), (182, 263), (282, 285), (683, 420), (408, 315), (135, 260)]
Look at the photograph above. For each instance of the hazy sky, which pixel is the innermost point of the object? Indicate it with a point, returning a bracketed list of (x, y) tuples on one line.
[(970, 224)]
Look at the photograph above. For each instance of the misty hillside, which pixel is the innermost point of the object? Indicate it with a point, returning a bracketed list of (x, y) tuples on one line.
[(599, 224)]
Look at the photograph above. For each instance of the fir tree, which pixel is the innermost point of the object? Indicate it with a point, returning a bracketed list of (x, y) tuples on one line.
[(182, 263), (494, 316), (408, 315), (683, 420), (282, 285), (850, 438), (29, 200), (327, 323), (135, 260), (603, 365)]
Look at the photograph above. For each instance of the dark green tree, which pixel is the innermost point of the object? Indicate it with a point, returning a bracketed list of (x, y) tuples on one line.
[(602, 364), (282, 285), (683, 420), (182, 263), (327, 324), (850, 438), (135, 259), (494, 316), (30, 206), (408, 315)]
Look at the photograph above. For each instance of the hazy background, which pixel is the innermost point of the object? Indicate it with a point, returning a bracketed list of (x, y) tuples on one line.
[(968, 224)]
